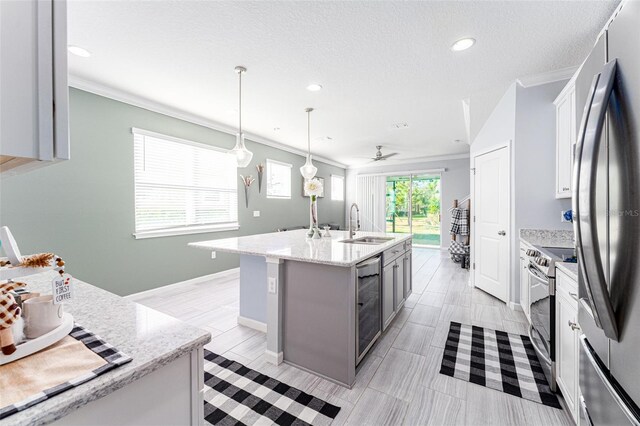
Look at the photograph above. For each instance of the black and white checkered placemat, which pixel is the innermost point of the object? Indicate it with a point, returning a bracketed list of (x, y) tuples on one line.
[(498, 360), (237, 395), (111, 355)]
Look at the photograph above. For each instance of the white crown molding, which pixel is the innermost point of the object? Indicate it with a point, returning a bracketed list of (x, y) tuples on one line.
[(381, 164), (547, 77), (148, 104)]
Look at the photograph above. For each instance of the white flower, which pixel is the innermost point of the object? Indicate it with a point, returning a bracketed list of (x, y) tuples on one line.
[(313, 187)]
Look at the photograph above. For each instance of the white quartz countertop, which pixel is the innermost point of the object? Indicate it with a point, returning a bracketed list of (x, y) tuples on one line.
[(151, 338), (548, 237), (571, 269), (294, 245)]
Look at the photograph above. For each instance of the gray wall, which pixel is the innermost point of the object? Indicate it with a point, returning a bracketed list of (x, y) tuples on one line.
[(454, 183), (526, 116), (83, 209)]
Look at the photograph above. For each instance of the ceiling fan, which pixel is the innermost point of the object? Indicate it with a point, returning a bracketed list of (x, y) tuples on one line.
[(379, 155)]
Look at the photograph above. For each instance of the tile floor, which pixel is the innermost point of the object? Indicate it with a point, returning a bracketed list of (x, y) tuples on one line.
[(399, 381)]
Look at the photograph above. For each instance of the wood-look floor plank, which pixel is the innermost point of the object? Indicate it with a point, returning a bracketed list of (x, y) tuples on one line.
[(396, 375), (434, 408), (414, 338), (365, 372), (377, 408), (425, 315)]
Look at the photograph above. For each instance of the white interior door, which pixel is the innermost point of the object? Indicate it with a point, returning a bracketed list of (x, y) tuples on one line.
[(491, 200), (370, 196)]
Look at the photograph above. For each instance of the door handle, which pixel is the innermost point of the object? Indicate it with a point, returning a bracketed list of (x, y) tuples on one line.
[(586, 230), (503, 233)]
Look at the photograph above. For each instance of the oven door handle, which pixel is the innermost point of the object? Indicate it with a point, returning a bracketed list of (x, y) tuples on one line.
[(540, 353), (532, 271)]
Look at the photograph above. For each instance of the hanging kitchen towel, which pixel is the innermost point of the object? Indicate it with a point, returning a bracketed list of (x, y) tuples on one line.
[(459, 221), (76, 359)]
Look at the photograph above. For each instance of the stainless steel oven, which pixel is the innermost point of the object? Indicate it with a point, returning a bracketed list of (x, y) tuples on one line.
[(542, 300), (368, 306)]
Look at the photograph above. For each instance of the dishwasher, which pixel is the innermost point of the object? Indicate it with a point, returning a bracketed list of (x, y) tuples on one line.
[(368, 305)]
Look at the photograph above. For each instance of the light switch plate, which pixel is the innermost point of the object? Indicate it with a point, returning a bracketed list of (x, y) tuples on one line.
[(273, 285), (256, 213)]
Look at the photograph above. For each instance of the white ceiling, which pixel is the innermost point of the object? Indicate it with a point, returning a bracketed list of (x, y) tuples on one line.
[(379, 63)]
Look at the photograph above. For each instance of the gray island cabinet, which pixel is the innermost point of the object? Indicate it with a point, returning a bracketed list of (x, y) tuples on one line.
[(323, 303)]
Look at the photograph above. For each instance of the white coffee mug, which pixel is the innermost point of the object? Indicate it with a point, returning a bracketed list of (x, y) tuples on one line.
[(41, 316)]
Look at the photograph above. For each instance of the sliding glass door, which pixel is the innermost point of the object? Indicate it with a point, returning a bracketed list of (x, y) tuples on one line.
[(413, 206)]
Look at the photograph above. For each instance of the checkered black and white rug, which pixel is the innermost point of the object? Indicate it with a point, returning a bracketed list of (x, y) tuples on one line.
[(498, 360), (237, 395)]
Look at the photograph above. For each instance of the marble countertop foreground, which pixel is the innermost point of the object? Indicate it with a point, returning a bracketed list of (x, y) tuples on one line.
[(294, 245), (151, 338), (548, 237), (571, 269)]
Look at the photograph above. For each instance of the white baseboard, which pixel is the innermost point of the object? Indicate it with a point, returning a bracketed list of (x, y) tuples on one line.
[(274, 358), (251, 323), (171, 287)]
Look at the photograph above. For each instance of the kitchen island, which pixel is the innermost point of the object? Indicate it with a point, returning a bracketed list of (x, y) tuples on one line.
[(323, 302), (162, 385)]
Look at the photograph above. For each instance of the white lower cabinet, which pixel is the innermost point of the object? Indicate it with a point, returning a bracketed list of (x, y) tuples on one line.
[(567, 341)]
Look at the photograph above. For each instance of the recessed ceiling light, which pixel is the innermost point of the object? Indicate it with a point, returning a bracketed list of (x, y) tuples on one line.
[(79, 51), (463, 44), (314, 87)]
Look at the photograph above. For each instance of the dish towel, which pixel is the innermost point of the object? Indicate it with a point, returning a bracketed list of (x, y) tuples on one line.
[(74, 360), (459, 221)]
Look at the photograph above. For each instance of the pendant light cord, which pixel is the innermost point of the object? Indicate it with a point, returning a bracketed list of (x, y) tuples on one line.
[(309, 133), (240, 102)]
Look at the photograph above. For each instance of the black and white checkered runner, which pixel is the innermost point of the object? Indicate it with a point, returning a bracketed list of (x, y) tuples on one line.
[(237, 395), (111, 355), (498, 360)]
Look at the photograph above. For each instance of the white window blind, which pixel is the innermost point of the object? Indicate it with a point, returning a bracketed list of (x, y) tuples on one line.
[(337, 188), (182, 187), (278, 179)]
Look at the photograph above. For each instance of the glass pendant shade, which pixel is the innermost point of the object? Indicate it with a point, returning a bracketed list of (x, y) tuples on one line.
[(242, 154), (308, 171)]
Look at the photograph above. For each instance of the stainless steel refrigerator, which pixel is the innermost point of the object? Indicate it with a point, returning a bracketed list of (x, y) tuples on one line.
[(606, 202)]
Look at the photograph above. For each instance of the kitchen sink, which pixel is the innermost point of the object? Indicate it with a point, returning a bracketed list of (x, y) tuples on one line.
[(367, 240)]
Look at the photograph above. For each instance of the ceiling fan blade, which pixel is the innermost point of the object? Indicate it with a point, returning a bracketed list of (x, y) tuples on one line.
[(384, 157)]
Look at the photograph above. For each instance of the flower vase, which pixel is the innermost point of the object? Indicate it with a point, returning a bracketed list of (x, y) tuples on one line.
[(313, 216)]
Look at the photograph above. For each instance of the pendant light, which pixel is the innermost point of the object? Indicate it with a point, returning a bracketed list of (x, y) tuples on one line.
[(308, 171), (242, 154)]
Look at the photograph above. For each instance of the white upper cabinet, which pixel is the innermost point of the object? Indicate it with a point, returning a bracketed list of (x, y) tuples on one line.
[(565, 139), (34, 128)]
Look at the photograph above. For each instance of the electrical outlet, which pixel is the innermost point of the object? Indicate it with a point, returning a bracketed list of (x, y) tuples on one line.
[(273, 285), (256, 213), (213, 254)]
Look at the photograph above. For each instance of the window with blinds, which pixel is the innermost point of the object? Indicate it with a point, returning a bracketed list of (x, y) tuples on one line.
[(182, 187), (278, 179), (337, 188)]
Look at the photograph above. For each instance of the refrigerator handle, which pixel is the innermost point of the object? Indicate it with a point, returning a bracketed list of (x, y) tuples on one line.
[(586, 231)]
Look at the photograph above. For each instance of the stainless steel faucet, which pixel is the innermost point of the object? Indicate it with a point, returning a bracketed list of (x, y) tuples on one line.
[(352, 232)]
